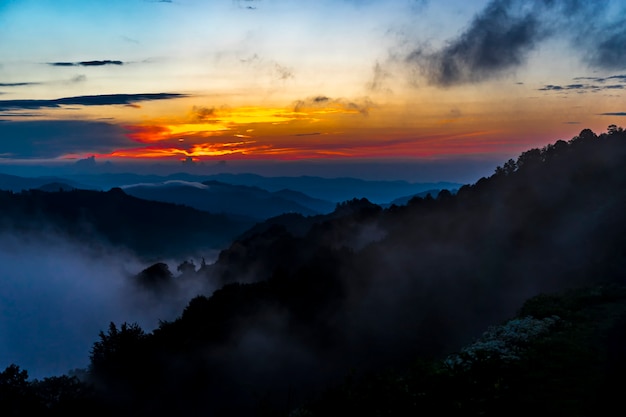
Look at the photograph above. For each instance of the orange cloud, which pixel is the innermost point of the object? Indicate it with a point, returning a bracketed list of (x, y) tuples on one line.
[(355, 143), (148, 133), (317, 127)]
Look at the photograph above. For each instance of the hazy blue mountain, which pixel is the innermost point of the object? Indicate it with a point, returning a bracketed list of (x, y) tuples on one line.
[(150, 229), (16, 183), (328, 189), (239, 200), (316, 204), (56, 186), (337, 189)]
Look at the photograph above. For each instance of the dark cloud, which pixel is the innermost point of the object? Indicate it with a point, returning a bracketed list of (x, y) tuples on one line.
[(618, 78), (85, 63), (51, 139), (252, 60), (496, 42), (12, 115), (606, 47), (284, 73), (95, 100), (362, 106), (571, 123), (550, 87), (582, 87), (62, 64), (78, 78), (380, 75), (499, 39), (16, 84), (204, 114), (247, 4), (99, 63), (619, 113)]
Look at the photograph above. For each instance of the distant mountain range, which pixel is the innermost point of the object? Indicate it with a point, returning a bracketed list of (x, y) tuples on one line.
[(247, 196), (150, 229), (15, 183), (223, 210), (238, 200), (334, 190)]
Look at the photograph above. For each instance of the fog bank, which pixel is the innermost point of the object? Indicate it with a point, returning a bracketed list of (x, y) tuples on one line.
[(56, 295)]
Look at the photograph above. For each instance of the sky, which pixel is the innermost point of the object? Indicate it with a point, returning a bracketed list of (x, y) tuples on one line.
[(305, 83)]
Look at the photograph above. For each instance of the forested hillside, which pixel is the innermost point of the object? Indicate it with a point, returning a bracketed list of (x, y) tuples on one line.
[(308, 301), (149, 229)]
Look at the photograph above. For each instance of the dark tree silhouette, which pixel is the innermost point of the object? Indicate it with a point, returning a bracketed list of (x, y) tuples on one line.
[(114, 354)]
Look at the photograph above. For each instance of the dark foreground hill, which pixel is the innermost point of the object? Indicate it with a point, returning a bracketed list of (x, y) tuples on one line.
[(365, 289), (149, 229)]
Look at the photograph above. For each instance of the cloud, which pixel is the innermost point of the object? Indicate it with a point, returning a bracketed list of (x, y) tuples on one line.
[(12, 115), (283, 72), (52, 139), (94, 100), (62, 64), (58, 293), (247, 4), (499, 39), (202, 114), (361, 106), (78, 78), (16, 84), (594, 84), (496, 42), (616, 78), (606, 47), (85, 63), (379, 77), (620, 113)]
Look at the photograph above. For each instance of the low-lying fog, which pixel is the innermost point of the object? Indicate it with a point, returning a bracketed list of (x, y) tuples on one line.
[(57, 295)]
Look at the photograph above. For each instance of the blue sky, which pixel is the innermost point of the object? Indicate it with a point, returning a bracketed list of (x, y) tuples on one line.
[(277, 80)]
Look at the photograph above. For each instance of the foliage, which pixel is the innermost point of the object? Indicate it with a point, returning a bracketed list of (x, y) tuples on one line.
[(116, 350), (502, 343), (53, 396)]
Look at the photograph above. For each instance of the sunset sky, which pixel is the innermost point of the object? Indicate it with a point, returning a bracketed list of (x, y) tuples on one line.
[(285, 80)]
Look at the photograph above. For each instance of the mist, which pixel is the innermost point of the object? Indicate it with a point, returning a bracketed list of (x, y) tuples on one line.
[(56, 295)]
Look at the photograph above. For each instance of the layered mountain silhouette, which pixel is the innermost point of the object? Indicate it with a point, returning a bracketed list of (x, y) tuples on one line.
[(16, 183), (306, 301), (239, 200), (335, 190), (147, 228)]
